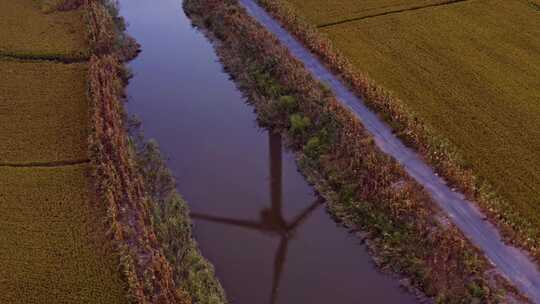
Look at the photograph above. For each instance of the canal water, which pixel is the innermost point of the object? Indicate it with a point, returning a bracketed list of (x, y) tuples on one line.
[(256, 219)]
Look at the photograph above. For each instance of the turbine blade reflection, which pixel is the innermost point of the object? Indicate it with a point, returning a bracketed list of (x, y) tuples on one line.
[(305, 214), (272, 220), (227, 221), (279, 263)]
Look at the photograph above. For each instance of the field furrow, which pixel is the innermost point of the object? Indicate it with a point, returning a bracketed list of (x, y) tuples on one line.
[(321, 12), (392, 10)]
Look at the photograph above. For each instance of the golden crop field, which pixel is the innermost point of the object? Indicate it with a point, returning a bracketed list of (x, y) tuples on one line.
[(470, 70), (53, 243), (324, 12), (27, 31), (44, 112), (49, 238)]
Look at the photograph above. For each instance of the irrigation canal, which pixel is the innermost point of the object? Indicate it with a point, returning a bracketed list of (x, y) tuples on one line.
[(256, 218)]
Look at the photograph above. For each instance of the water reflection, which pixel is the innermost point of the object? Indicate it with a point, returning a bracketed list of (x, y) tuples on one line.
[(271, 220)]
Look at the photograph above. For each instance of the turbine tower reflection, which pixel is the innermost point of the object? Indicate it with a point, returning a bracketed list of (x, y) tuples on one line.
[(271, 219)]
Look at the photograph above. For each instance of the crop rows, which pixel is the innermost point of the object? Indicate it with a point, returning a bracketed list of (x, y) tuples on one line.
[(47, 236), (44, 112)]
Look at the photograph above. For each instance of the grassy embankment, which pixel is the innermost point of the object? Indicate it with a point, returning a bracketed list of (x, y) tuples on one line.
[(53, 247), (365, 189), (67, 228), (460, 85)]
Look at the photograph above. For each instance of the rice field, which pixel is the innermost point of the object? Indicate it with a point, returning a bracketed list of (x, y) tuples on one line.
[(336, 11), (469, 70), (28, 31), (49, 241), (44, 112), (53, 243)]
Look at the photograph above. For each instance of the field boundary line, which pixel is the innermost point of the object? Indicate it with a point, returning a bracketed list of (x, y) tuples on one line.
[(42, 58), (414, 8), (61, 163)]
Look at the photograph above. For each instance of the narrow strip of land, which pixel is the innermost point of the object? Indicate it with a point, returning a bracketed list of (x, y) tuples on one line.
[(414, 8), (512, 263)]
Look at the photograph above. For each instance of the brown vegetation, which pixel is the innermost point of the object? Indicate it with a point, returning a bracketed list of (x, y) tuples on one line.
[(121, 188), (118, 183)]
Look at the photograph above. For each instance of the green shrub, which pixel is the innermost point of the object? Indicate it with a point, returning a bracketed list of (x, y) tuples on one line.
[(266, 85), (476, 291), (299, 125), (313, 148), (287, 104)]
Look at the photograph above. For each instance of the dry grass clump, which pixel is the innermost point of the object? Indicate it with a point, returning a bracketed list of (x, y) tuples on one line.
[(26, 31), (106, 31), (44, 112), (451, 94), (50, 232)]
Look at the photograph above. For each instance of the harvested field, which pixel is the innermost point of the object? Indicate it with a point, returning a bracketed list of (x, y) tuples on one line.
[(44, 112), (469, 71), (28, 31), (49, 237)]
